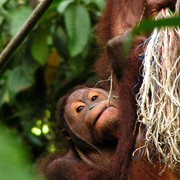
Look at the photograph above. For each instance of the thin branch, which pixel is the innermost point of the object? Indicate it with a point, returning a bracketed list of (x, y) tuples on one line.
[(13, 45)]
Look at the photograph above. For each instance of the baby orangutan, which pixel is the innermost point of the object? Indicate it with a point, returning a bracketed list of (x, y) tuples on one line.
[(90, 124)]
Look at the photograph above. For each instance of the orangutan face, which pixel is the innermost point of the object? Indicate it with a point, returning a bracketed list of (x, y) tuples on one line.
[(88, 115)]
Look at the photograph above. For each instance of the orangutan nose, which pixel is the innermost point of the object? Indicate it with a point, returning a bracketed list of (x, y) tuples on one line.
[(91, 107)]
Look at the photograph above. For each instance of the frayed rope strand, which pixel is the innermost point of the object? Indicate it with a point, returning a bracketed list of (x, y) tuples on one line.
[(159, 96)]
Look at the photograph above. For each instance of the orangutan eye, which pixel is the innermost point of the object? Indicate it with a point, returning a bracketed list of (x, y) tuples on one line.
[(79, 109), (94, 98)]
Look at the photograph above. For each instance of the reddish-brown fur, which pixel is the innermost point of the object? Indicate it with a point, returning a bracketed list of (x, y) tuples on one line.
[(118, 17)]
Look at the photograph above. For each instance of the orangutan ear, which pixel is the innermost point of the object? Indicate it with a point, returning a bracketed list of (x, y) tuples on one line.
[(65, 134)]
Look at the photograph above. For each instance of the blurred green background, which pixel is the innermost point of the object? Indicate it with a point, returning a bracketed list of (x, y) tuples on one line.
[(57, 55)]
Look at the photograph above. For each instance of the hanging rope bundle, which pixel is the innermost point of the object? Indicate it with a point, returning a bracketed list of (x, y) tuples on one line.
[(159, 96)]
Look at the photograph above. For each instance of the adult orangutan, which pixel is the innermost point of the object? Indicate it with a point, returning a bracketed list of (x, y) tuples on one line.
[(92, 154), (117, 20)]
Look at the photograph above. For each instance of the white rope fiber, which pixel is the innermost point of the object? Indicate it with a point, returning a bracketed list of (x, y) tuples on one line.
[(159, 96)]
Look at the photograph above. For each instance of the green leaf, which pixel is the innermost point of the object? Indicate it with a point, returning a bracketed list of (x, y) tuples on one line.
[(39, 48), (63, 5), (100, 4), (86, 1), (17, 18), (15, 163), (29, 67), (18, 80), (4, 93), (2, 2), (4, 96), (1, 20), (78, 26), (147, 26), (60, 41)]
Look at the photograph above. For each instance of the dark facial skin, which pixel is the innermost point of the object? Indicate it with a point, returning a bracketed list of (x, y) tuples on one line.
[(87, 114)]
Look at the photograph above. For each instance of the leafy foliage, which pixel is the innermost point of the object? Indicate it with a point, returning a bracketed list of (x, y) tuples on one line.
[(78, 24), (16, 163), (54, 57)]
